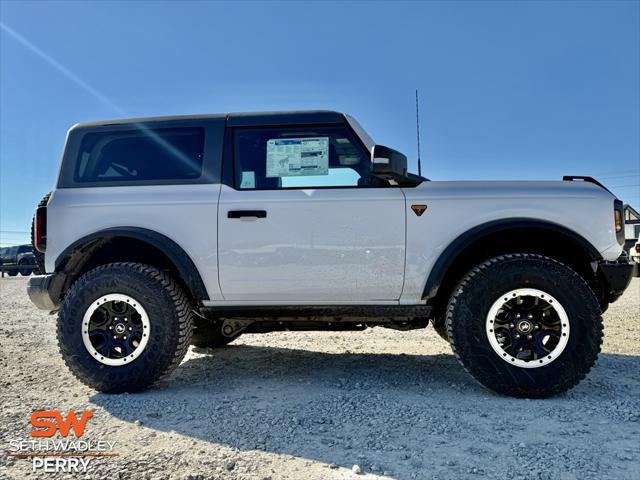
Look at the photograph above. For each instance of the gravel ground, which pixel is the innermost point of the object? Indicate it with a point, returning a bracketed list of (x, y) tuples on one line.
[(313, 405)]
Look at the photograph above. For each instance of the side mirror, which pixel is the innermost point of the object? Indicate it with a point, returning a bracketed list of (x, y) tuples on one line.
[(388, 164)]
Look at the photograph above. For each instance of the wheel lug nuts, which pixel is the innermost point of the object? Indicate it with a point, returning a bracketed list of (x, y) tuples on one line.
[(517, 335), (130, 328), (125, 337), (529, 337), (114, 337), (530, 316), (517, 315), (511, 325), (110, 327), (536, 327)]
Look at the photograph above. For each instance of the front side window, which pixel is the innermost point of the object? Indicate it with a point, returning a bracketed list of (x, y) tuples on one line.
[(306, 157), (141, 154)]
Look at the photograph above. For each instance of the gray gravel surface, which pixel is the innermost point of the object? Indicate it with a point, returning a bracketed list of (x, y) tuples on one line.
[(320, 405)]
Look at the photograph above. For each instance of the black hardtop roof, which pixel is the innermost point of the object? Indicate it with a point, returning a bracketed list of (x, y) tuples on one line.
[(290, 117)]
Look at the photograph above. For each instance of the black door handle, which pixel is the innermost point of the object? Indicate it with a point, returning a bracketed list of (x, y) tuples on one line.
[(247, 213)]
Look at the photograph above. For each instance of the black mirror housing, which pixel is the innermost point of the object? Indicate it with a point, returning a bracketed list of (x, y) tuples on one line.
[(391, 165), (387, 163)]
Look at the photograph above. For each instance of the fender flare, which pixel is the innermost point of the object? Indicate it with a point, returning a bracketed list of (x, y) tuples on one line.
[(457, 246), (175, 253)]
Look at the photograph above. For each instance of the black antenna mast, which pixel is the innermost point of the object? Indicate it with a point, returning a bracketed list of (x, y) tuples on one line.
[(418, 134)]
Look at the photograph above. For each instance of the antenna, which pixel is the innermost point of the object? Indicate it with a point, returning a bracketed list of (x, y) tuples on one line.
[(418, 133)]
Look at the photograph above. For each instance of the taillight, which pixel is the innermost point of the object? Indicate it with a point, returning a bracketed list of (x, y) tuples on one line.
[(637, 247), (40, 229)]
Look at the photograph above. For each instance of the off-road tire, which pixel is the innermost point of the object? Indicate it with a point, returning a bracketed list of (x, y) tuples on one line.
[(170, 318), (467, 313), (208, 334), (39, 256)]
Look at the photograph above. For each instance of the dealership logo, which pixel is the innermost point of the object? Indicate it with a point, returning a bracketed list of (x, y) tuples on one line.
[(51, 421), (58, 443)]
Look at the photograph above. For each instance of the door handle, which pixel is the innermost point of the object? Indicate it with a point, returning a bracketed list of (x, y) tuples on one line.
[(247, 213)]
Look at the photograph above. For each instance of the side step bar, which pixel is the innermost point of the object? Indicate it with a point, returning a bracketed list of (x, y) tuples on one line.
[(319, 312)]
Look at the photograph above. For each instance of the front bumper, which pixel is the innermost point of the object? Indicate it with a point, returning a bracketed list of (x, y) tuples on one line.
[(44, 291), (617, 276)]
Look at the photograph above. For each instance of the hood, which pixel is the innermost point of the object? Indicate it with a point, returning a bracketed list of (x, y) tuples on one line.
[(510, 189)]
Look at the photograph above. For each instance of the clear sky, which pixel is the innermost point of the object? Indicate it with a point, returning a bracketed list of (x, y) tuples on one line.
[(509, 90)]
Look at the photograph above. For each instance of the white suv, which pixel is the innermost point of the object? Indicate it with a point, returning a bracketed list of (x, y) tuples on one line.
[(166, 232)]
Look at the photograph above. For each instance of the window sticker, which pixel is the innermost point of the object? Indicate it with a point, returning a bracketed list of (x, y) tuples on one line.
[(248, 180), (295, 157)]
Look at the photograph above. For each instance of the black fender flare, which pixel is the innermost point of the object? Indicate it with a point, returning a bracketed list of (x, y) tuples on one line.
[(457, 246), (175, 253)]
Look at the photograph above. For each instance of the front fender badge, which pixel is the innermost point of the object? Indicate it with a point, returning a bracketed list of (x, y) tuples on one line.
[(418, 209)]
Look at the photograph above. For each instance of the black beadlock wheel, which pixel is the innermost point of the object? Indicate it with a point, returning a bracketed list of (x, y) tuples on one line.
[(123, 326), (525, 325)]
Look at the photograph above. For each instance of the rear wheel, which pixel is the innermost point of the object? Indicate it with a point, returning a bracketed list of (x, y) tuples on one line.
[(12, 273), (525, 325), (123, 326)]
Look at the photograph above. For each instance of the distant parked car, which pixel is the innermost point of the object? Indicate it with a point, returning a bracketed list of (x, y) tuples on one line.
[(18, 259)]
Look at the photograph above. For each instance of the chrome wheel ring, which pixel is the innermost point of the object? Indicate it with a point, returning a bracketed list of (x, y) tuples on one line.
[(527, 328), (115, 329)]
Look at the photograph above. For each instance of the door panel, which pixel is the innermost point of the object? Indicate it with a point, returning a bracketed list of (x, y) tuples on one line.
[(312, 245)]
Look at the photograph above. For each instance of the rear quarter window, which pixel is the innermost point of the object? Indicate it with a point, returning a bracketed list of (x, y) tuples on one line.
[(140, 155)]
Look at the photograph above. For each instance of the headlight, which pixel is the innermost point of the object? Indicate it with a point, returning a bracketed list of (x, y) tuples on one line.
[(618, 220)]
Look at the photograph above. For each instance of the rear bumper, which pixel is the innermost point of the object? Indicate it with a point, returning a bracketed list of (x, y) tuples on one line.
[(44, 291), (617, 276)]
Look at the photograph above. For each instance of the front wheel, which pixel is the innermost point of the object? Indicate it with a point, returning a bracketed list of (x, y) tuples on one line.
[(123, 326), (525, 325)]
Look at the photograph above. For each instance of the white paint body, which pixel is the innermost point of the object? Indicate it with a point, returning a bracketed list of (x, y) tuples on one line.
[(335, 245), (324, 246)]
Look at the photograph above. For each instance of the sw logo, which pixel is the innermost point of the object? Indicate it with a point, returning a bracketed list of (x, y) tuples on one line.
[(50, 455), (51, 421)]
